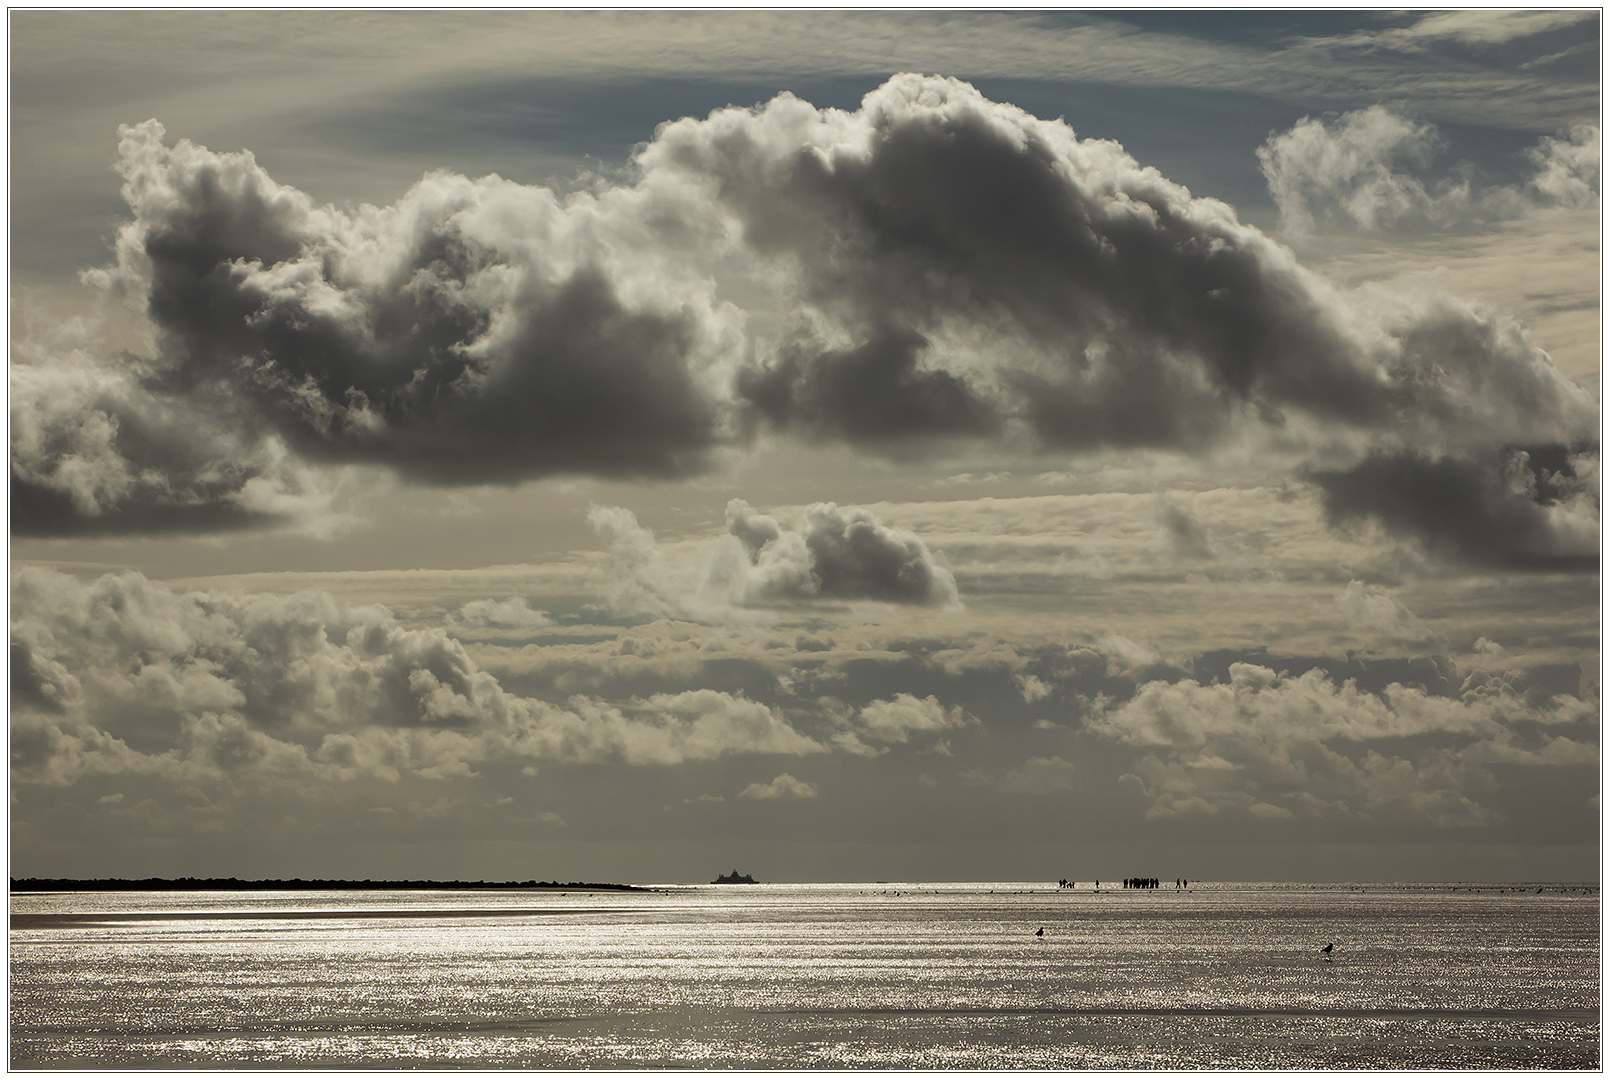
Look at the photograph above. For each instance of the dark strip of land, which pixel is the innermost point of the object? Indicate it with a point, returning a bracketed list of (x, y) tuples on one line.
[(188, 884)]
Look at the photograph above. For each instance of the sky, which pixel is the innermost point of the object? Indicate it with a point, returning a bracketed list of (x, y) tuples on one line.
[(843, 446)]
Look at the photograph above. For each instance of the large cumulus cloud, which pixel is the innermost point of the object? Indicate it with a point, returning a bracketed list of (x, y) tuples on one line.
[(941, 266), (989, 263), (473, 331)]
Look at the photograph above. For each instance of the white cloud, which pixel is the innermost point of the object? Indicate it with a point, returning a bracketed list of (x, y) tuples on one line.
[(1478, 27), (783, 787), (1131, 653), (1344, 170), (1032, 688), (513, 613), (1302, 746), (472, 331), (834, 556), (948, 315), (895, 720), (1359, 171), (208, 687), (1568, 169), (1375, 610), (665, 729)]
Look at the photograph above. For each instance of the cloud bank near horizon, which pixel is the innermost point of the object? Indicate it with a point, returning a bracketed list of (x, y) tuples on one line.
[(227, 694), (940, 269)]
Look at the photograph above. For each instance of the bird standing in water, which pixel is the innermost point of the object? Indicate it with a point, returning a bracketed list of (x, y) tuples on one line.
[(1329, 945), (1040, 932)]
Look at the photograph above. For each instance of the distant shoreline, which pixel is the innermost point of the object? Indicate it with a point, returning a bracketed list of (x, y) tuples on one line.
[(20, 885)]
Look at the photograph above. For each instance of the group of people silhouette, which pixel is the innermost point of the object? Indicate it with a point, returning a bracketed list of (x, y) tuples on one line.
[(1129, 883)]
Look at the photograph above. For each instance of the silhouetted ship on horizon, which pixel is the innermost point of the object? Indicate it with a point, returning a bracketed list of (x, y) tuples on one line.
[(735, 878)]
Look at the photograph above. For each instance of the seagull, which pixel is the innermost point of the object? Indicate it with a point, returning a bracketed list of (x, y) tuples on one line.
[(1328, 947)]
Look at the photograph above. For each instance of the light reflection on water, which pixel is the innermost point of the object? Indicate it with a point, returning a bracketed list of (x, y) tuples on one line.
[(938, 976)]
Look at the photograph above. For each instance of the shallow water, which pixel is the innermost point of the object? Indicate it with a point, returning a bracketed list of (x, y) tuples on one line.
[(898, 975)]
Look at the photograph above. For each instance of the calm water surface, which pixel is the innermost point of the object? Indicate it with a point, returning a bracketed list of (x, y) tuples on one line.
[(898, 975)]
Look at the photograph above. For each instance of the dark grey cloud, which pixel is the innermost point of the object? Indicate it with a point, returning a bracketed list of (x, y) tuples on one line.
[(424, 337), (37, 510), (1186, 536), (30, 687), (472, 332), (1528, 509), (951, 268), (872, 393), (1059, 281)]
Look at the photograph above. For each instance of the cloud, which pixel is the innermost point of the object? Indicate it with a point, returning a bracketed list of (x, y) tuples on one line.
[(833, 555), (1183, 532), (1530, 509), (473, 331), (1374, 610), (1568, 169), (783, 787), (643, 579), (1478, 27), (210, 687), (1032, 688), (933, 265), (666, 729), (97, 449), (1342, 170), (1057, 282), (513, 613), (1036, 776), (1349, 173), (1274, 746), (876, 392), (839, 555), (896, 720)]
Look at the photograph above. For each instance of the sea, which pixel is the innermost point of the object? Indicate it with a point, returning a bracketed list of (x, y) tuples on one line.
[(974, 975)]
